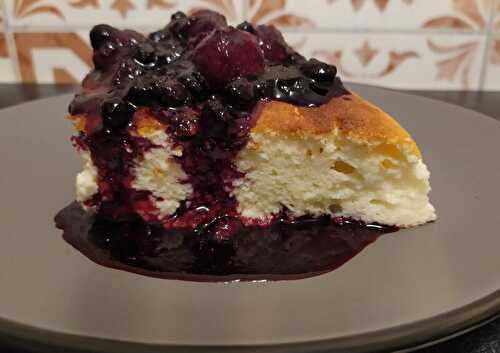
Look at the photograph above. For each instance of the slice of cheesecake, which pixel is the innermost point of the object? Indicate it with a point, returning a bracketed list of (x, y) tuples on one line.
[(345, 158), (206, 125)]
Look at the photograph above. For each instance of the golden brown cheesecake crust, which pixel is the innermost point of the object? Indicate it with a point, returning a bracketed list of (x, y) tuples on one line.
[(350, 114)]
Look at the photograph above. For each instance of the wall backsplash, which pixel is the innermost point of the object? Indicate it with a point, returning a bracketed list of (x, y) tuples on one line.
[(420, 44)]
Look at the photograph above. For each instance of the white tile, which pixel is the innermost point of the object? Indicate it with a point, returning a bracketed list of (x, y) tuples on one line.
[(496, 20), (415, 61), (140, 14), (374, 14), (36, 52), (7, 72)]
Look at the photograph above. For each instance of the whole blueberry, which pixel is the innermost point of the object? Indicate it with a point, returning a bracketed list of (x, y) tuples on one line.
[(116, 113), (292, 87), (195, 83), (226, 54), (240, 93), (178, 15), (100, 34), (145, 54), (319, 71), (170, 92), (247, 27), (140, 92), (215, 118)]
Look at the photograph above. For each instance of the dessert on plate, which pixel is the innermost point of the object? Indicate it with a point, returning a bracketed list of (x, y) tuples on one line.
[(204, 126)]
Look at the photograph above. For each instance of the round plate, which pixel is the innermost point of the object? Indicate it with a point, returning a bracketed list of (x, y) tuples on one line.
[(407, 288)]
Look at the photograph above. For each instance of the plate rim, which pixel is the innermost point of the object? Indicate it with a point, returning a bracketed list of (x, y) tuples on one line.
[(402, 337)]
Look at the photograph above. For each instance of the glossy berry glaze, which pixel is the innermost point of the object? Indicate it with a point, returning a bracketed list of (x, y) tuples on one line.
[(301, 248)]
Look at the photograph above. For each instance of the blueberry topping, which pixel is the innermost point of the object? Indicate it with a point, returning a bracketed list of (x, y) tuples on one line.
[(116, 113), (318, 88), (185, 124), (273, 44), (202, 80), (127, 71), (178, 15), (171, 93), (140, 93), (240, 93), (159, 36), (100, 34), (167, 53), (226, 54), (247, 27), (196, 84), (319, 71), (203, 22), (293, 86), (215, 118), (105, 56), (265, 88), (146, 54)]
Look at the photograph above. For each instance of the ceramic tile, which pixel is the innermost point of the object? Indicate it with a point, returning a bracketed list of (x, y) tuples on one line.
[(3, 42), (392, 52), (492, 77), (416, 61), (7, 72), (142, 14), (496, 20), (36, 53), (463, 15)]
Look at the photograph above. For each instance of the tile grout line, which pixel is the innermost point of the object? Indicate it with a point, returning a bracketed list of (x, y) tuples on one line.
[(487, 47), (11, 42)]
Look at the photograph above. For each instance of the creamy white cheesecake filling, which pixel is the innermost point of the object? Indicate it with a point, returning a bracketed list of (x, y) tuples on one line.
[(86, 180), (332, 175), (158, 173), (314, 175), (155, 171)]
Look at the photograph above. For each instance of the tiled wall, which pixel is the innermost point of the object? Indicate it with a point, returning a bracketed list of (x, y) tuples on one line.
[(435, 44)]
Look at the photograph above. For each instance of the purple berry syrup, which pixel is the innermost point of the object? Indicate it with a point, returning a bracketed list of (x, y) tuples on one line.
[(286, 250)]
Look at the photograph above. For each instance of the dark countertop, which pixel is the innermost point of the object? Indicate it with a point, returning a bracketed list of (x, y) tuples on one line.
[(485, 339)]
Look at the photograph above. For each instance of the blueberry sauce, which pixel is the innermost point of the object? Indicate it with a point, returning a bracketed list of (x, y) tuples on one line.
[(205, 81), (301, 248)]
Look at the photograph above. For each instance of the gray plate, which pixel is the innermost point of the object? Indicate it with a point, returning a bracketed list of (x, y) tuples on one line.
[(407, 288)]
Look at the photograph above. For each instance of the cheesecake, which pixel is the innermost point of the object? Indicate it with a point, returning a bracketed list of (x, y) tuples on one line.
[(201, 125)]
